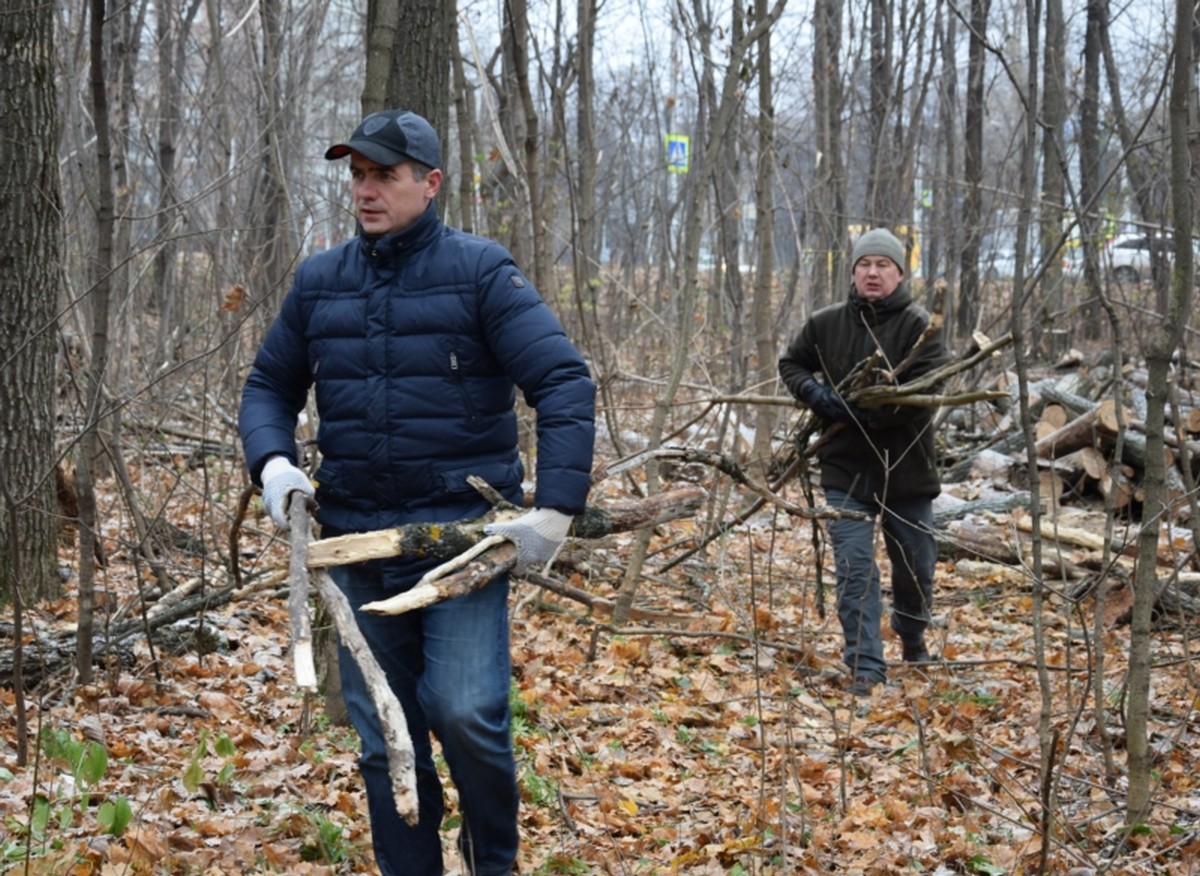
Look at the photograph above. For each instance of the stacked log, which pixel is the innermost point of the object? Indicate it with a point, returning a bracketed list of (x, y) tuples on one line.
[(1089, 455)]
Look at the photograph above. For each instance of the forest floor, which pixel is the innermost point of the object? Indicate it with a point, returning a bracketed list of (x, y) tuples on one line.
[(723, 745)]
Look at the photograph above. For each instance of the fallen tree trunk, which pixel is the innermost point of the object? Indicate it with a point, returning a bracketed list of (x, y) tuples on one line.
[(49, 653)]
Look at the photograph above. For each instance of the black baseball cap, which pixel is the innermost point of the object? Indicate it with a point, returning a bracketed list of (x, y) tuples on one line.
[(391, 137)]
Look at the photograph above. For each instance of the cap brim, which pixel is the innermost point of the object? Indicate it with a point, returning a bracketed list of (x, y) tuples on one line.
[(367, 149)]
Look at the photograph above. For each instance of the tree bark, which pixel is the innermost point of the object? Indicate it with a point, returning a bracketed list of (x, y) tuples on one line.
[(101, 294), (766, 338), (1054, 167), (30, 281), (270, 248), (468, 136), (1158, 359), (383, 22), (517, 20), (827, 198), (1090, 157), (972, 213), (420, 70)]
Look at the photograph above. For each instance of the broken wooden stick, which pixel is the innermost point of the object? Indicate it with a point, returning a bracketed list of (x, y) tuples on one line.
[(728, 466), (393, 725), (440, 584), (300, 624)]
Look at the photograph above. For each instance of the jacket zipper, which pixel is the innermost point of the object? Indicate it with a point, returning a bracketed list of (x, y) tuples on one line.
[(460, 382)]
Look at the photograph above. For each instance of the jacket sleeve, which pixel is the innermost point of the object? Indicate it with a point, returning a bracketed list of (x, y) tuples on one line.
[(531, 344), (799, 362), (276, 389)]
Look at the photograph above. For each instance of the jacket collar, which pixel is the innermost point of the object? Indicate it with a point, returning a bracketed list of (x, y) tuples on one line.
[(385, 249), (875, 311)]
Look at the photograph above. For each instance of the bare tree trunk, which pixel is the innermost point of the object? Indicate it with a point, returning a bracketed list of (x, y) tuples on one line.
[(1029, 182), (517, 21), (765, 334), (420, 74), (172, 27), (727, 292), (101, 293), (1089, 171), (827, 202), (270, 250), (221, 142), (972, 214), (511, 198), (31, 220), (1054, 114), (1184, 151), (468, 136), (943, 248), (383, 22), (881, 177), (1136, 160), (586, 251), (1149, 199), (125, 30)]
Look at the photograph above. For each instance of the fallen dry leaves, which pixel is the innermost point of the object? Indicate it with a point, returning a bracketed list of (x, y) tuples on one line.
[(725, 748)]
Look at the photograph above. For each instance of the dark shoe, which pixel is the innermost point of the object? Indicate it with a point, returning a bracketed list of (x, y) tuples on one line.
[(862, 686), (917, 654)]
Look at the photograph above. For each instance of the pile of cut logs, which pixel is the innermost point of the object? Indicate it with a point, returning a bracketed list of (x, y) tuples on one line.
[(1090, 455), (1086, 446)]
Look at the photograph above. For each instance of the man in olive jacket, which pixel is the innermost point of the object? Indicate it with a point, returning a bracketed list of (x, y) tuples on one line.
[(878, 461)]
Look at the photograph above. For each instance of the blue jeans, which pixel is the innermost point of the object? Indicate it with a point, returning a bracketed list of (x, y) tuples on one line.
[(912, 550), (449, 665)]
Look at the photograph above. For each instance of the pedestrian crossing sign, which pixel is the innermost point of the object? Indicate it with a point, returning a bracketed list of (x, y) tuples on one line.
[(678, 153)]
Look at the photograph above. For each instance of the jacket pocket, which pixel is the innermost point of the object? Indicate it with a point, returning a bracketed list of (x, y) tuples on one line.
[(504, 476), (332, 482)]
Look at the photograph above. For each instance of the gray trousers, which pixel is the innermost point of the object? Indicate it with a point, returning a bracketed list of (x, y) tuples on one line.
[(912, 550)]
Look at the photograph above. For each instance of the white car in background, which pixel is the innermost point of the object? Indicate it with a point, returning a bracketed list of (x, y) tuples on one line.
[(1128, 256), (1001, 264)]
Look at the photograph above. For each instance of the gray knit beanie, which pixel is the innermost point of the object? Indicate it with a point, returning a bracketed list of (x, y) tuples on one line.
[(878, 242)]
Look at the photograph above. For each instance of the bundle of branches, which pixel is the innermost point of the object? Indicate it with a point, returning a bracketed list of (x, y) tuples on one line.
[(473, 560), (875, 385)]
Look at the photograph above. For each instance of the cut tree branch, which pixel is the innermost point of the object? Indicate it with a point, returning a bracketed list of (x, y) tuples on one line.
[(300, 625), (918, 388), (401, 759), (485, 559), (394, 726), (730, 467), (446, 541)]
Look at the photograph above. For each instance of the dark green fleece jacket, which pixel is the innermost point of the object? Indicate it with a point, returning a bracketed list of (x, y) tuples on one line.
[(893, 453)]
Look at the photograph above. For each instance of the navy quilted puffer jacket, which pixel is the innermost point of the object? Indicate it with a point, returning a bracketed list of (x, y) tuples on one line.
[(414, 343)]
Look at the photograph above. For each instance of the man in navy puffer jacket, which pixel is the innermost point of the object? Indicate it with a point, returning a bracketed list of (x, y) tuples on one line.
[(415, 337)]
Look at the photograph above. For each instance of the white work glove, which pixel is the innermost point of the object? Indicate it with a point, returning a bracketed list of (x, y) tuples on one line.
[(538, 535), (280, 479)]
